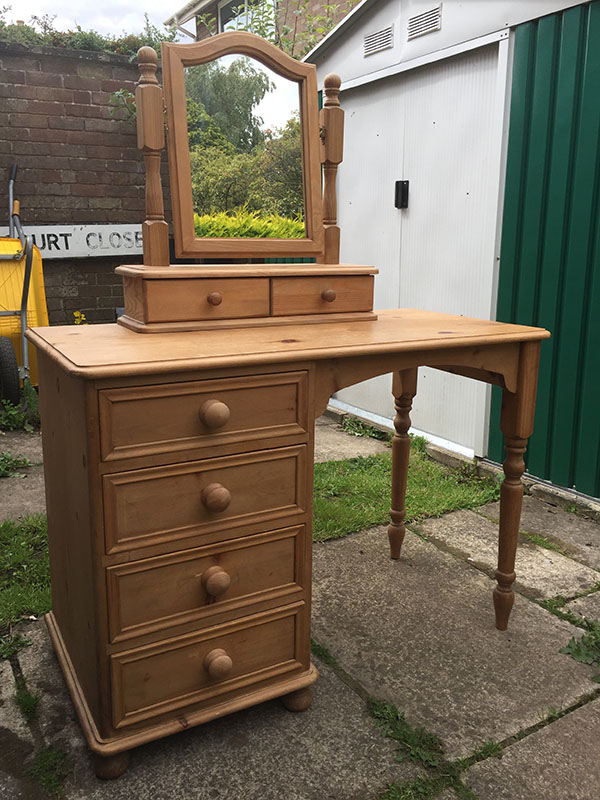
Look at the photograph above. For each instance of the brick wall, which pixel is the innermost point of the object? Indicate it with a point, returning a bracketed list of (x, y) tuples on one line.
[(78, 163)]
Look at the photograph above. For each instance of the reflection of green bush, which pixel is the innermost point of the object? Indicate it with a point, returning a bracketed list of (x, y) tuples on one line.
[(247, 224)]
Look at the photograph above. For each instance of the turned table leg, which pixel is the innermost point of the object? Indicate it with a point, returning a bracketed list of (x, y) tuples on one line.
[(404, 389), (109, 767), (299, 700), (516, 422)]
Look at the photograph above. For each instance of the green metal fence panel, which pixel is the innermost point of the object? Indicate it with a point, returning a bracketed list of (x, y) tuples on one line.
[(550, 254)]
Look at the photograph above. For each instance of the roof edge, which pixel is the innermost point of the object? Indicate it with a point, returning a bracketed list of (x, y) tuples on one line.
[(335, 33)]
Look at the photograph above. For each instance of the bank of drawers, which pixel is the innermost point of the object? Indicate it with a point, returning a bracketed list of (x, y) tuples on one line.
[(221, 606)]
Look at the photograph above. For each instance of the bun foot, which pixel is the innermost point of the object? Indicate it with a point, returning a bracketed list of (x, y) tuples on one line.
[(298, 701), (110, 767)]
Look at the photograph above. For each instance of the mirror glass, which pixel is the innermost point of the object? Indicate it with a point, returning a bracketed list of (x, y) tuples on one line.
[(245, 146)]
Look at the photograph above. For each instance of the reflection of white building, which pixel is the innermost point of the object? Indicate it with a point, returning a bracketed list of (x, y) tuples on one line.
[(189, 19)]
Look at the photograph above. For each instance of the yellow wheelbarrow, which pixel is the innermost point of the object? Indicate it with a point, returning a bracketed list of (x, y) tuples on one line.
[(22, 302)]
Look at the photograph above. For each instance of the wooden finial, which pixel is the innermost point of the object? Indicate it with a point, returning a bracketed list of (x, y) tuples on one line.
[(332, 85), (148, 64), (331, 121)]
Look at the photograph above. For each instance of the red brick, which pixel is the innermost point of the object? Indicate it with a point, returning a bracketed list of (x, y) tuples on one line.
[(128, 191), (20, 61), (45, 107), (130, 204), (104, 202), (85, 137), (88, 190), (65, 123), (81, 110), (114, 154), (53, 94), (26, 92), (6, 147), (101, 98), (43, 79), (126, 165), (101, 125), (115, 86), (48, 136), (11, 134), (87, 84), (27, 121), (13, 75), (95, 164), (94, 69), (13, 104)]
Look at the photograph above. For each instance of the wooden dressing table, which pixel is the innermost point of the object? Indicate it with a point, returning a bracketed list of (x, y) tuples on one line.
[(178, 450)]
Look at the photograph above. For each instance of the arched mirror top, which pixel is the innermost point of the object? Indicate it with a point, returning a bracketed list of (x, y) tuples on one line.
[(275, 151)]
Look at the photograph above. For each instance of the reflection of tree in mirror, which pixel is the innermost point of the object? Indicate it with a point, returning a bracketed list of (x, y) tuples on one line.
[(236, 166)]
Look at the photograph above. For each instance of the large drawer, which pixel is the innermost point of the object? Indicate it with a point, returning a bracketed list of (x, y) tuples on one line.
[(321, 295), (205, 298), (161, 678), (163, 418), (156, 593), (218, 495)]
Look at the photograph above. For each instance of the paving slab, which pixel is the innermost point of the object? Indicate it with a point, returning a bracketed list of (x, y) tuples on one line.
[(540, 572), (419, 632), (561, 762), (334, 444), (578, 535), (21, 496), (333, 750), (16, 743), (588, 606)]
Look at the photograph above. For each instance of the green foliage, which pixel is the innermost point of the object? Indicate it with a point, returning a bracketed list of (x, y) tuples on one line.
[(354, 494), (24, 569), (41, 32), (321, 652), (541, 541), (10, 465), (415, 744), (587, 649), (356, 427), (27, 702), (12, 643), (244, 223), (25, 416), (123, 101), (50, 768)]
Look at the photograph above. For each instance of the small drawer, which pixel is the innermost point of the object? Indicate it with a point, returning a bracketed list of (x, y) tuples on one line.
[(200, 668), (192, 299), (321, 295), (156, 593), (218, 495), (164, 418)]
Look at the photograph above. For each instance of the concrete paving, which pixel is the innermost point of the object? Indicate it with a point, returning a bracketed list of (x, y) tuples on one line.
[(540, 572), (23, 495), (418, 632), (561, 760)]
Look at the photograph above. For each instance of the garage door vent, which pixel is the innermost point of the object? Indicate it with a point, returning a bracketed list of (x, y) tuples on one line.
[(378, 40), (427, 22)]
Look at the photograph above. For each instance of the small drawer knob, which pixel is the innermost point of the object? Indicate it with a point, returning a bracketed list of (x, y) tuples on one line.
[(215, 298), (214, 414), (215, 497), (216, 581), (328, 295), (218, 664)]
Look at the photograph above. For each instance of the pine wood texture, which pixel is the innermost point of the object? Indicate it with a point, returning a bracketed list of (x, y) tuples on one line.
[(404, 389), (331, 121), (321, 295), (175, 57)]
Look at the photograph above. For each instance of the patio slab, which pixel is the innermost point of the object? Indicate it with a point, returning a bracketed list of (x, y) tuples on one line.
[(578, 535), (419, 632), (588, 606), (21, 496), (561, 762), (16, 743), (333, 750), (333, 444), (540, 572)]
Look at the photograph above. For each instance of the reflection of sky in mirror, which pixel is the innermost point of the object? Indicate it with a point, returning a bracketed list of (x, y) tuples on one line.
[(277, 106)]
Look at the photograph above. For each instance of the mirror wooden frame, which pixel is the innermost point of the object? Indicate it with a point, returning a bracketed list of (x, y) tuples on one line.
[(175, 58)]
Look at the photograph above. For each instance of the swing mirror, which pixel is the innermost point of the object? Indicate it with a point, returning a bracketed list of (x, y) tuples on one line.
[(243, 150)]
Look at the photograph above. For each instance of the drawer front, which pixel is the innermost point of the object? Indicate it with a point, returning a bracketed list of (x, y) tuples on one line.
[(218, 495), (321, 295), (147, 420), (190, 299), (181, 672), (156, 593)]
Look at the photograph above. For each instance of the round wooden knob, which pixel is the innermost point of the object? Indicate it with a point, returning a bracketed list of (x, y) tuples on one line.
[(215, 497), (214, 414), (328, 295), (215, 298), (216, 581), (218, 664)]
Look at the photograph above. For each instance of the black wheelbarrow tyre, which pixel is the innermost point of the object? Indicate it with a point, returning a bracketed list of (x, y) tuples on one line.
[(10, 386)]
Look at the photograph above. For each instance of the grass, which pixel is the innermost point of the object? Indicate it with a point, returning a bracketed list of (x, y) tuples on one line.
[(27, 702), (10, 465), (11, 644), (24, 569), (541, 541), (587, 649), (50, 769), (25, 416), (356, 427), (354, 494)]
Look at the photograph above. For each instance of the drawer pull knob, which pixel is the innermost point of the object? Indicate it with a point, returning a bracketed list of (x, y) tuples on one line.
[(328, 295), (215, 497), (218, 664), (216, 581), (214, 414), (215, 298)]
